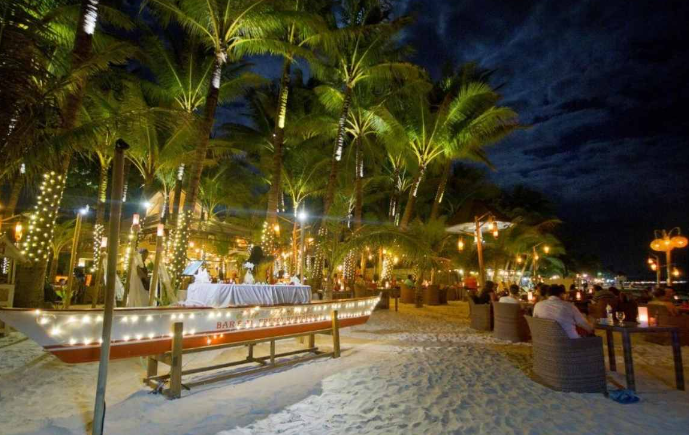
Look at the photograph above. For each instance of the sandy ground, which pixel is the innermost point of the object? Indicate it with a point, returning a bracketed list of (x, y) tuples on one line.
[(415, 371)]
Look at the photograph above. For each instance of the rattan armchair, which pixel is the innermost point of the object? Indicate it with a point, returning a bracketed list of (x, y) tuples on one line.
[(481, 316), (509, 322), (566, 364), (663, 318), (407, 294)]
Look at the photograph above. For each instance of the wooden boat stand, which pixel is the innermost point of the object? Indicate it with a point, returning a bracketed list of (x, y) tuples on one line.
[(173, 358)]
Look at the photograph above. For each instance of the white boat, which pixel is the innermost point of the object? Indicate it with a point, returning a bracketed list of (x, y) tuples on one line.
[(74, 335)]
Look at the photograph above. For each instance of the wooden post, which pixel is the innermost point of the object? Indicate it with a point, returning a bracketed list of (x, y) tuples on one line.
[(272, 352), (251, 352), (114, 234), (151, 367), (312, 341), (176, 363), (397, 298), (336, 334)]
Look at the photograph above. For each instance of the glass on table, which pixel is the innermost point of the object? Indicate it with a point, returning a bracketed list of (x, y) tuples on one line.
[(620, 316)]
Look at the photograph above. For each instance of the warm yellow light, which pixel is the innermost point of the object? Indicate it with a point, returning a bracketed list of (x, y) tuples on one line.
[(191, 244), (135, 220), (546, 249), (18, 231), (161, 230), (675, 272), (519, 259), (104, 242), (679, 241), (370, 257), (536, 257), (495, 233), (650, 261), (654, 267), (276, 228), (460, 244)]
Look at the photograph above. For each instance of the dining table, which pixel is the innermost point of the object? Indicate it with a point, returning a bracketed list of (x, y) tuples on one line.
[(626, 329)]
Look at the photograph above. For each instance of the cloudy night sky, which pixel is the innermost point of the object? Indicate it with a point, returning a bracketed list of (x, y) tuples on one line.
[(602, 85)]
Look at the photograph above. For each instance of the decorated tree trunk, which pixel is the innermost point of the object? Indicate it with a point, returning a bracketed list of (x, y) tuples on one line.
[(435, 211), (411, 202), (278, 141)]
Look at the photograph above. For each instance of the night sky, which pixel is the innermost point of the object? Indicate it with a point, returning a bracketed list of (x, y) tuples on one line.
[(603, 84)]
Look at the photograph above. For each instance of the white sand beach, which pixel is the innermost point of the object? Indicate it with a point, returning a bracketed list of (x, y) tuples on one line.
[(420, 371)]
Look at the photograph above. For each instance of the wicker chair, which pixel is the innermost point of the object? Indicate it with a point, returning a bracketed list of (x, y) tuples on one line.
[(431, 295), (407, 294), (510, 324), (566, 364), (665, 319), (481, 316)]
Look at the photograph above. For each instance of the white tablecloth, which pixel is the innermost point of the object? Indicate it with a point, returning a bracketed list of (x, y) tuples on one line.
[(223, 295)]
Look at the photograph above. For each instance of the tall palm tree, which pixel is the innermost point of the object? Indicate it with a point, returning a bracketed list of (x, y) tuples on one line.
[(460, 126)]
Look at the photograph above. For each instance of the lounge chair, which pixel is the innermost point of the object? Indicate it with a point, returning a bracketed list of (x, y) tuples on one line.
[(566, 364), (431, 295), (509, 322), (481, 316)]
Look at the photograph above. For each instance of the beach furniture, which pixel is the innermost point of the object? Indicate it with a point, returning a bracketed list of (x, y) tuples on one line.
[(407, 294), (481, 316), (566, 364), (510, 323)]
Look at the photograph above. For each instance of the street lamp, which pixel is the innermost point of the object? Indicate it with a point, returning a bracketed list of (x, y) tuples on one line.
[(654, 264), (73, 256), (302, 216), (666, 241)]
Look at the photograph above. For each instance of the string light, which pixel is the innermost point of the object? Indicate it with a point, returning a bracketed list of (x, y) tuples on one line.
[(42, 220)]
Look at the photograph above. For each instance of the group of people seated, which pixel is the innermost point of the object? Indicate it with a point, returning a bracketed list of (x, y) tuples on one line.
[(552, 303)]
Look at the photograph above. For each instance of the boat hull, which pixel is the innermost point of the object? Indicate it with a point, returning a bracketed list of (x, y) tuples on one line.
[(71, 335)]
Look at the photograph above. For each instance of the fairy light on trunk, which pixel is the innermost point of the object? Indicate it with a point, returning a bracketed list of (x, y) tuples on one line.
[(42, 220)]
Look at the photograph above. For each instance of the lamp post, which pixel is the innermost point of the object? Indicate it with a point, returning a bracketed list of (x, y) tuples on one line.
[(479, 222), (302, 216), (666, 241), (160, 233), (73, 257)]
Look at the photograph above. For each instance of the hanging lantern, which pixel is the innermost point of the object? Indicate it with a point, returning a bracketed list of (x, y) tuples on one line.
[(18, 231), (460, 244)]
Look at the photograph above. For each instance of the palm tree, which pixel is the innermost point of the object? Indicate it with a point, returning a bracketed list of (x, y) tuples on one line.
[(62, 237), (460, 126)]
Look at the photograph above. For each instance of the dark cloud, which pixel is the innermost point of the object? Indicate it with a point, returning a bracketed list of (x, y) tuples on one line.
[(603, 86)]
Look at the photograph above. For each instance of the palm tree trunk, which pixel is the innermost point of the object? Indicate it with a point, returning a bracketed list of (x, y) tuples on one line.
[(411, 202), (337, 153), (102, 194), (435, 211), (17, 185), (317, 272), (177, 199), (278, 141), (395, 198), (53, 268), (182, 236), (358, 185)]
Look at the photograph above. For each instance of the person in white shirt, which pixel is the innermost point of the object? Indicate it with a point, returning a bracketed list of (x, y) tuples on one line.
[(563, 312), (513, 297)]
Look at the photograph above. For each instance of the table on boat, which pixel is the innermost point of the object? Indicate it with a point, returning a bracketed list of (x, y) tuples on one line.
[(628, 328), (223, 295)]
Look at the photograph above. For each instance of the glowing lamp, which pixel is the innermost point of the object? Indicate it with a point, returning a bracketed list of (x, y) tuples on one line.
[(650, 261), (104, 242), (658, 245), (675, 272), (135, 220), (161, 230), (276, 227), (519, 259), (654, 267), (546, 249), (460, 244), (536, 257), (643, 315), (679, 241), (18, 231), (529, 296), (495, 233), (578, 296)]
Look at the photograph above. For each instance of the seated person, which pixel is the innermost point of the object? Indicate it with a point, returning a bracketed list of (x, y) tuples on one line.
[(487, 293), (564, 313), (662, 297), (513, 297), (542, 291), (601, 293), (409, 282)]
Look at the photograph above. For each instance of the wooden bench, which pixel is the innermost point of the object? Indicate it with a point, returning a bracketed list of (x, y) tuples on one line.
[(173, 358)]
